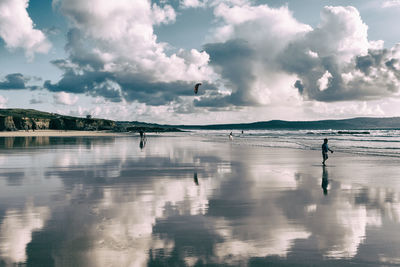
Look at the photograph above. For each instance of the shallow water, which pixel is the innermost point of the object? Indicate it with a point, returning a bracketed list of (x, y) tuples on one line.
[(364, 142), (186, 201)]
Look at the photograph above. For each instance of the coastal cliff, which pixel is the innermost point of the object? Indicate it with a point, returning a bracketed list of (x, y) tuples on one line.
[(30, 119)]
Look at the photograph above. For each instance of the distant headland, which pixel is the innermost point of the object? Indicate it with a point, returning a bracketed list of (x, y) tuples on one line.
[(30, 119)]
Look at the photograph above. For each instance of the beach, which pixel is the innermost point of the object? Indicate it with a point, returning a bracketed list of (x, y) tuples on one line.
[(31, 133), (193, 198)]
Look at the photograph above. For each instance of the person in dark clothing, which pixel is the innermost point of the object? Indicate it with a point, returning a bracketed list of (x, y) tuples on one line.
[(325, 150)]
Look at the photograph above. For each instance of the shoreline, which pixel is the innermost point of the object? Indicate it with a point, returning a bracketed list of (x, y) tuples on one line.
[(61, 133)]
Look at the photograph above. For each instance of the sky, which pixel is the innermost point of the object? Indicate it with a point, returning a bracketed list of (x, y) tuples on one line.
[(138, 60)]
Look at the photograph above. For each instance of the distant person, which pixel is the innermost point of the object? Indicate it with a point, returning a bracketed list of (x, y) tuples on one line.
[(325, 150), (325, 180), (242, 132), (141, 134), (231, 136)]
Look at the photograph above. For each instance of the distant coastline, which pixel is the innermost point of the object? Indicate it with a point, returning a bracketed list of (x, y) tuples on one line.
[(12, 120), (358, 124), (59, 133)]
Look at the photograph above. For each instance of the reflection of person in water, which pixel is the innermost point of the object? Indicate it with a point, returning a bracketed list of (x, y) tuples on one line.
[(142, 143), (196, 181), (143, 140), (325, 180)]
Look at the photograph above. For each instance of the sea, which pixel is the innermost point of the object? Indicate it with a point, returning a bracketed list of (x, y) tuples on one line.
[(363, 142)]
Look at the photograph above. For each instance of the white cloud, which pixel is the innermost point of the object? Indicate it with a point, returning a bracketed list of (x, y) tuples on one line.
[(278, 66), (17, 29), (341, 34), (323, 82), (192, 3), (163, 15), (3, 101), (391, 3), (64, 98), (245, 52), (122, 35)]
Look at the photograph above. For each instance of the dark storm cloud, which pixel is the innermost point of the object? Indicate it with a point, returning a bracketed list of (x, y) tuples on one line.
[(118, 86), (15, 81)]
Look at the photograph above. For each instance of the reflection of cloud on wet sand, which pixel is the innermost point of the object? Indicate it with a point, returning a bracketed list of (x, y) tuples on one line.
[(127, 208), (263, 229), (337, 224), (256, 239), (121, 233), (16, 231), (339, 229), (339, 221)]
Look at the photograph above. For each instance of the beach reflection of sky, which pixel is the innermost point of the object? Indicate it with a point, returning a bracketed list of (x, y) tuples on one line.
[(107, 202)]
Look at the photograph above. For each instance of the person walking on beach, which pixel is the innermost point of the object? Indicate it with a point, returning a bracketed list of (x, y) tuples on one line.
[(325, 150)]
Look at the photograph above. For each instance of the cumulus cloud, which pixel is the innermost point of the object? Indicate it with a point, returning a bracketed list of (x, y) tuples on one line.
[(64, 98), (17, 28), (114, 53), (348, 64), (247, 61), (335, 61), (15, 81)]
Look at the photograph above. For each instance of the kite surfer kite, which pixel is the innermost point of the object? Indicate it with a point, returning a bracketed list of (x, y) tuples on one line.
[(196, 87)]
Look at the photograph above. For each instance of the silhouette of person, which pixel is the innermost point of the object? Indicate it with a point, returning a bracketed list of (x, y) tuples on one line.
[(325, 150), (325, 180), (196, 181)]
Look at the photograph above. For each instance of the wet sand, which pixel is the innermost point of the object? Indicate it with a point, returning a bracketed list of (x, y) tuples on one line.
[(59, 133), (188, 200)]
